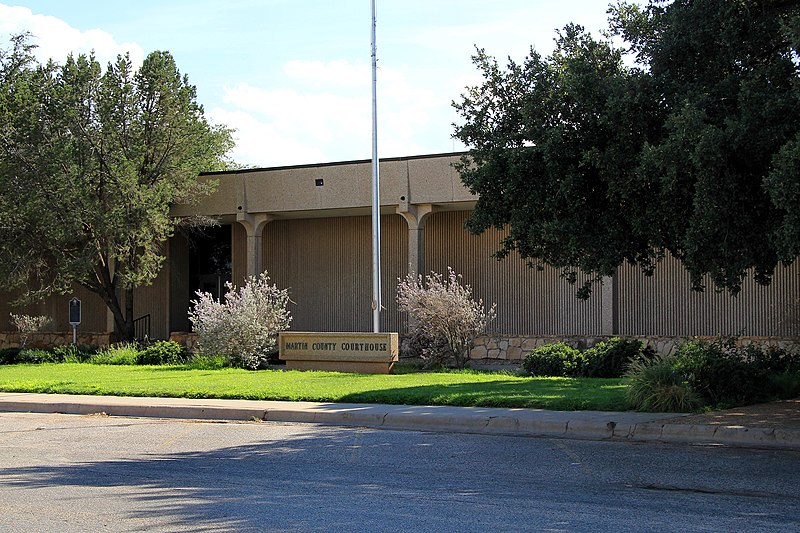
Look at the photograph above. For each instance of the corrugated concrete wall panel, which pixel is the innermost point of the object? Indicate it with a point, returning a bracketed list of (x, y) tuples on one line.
[(180, 292), (238, 254), (327, 266), (93, 310), (154, 300), (529, 302), (664, 304)]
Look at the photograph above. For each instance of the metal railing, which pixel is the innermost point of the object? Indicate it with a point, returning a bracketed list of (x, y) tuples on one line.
[(141, 328)]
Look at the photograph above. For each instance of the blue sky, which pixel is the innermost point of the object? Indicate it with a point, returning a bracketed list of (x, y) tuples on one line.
[(293, 76)]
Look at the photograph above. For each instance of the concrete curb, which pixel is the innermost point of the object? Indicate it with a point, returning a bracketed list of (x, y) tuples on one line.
[(734, 436), (590, 425)]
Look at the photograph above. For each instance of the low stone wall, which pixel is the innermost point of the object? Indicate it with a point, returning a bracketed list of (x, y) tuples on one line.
[(511, 349), (185, 338), (51, 339)]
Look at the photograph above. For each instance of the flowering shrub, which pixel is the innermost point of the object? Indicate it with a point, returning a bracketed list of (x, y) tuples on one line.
[(435, 352), (27, 324), (444, 319), (244, 327)]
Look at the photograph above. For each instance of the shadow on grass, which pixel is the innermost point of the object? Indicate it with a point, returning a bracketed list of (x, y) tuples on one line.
[(558, 394), (499, 390)]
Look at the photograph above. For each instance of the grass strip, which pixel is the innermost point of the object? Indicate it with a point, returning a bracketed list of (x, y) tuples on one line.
[(465, 388)]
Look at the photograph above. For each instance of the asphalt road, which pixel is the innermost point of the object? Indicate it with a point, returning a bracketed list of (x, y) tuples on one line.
[(93, 473)]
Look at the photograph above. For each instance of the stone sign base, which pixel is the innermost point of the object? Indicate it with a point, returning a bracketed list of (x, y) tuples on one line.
[(362, 353)]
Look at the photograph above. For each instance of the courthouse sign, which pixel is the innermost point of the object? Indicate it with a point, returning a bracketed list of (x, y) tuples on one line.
[(366, 353)]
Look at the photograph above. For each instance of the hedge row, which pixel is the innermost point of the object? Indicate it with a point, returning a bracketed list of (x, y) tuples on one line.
[(157, 353), (607, 359)]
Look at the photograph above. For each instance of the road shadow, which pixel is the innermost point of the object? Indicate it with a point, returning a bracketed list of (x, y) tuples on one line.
[(329, 481)]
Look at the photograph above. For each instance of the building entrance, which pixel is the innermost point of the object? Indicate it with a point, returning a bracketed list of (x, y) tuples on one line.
[(210, 261)]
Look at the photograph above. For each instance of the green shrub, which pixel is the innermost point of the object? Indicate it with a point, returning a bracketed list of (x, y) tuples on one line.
[(408, 367), (779, 361), (785, 385), (656, 385), (610, 359), (553, 360), (123, 353), (34, 356), (74, 353), (724, 374), (208, 362), (67, 353), (163, 353), (8, 356)]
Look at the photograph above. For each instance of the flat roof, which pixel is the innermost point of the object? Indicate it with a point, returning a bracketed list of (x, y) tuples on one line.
[(333, 164)]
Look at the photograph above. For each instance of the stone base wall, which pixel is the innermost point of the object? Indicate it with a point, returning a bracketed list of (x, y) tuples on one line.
[(511, 349), (502, 349), (51, 339), (186, 338)]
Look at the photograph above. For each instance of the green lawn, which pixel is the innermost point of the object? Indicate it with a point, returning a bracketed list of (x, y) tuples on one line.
[(436, 388)]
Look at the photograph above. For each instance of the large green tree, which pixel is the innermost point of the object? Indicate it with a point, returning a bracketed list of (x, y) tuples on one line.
[(90, 163), (683, 140)]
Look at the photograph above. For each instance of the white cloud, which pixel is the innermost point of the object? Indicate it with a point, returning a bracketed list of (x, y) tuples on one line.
[(311, 111), (258, 141), (55, 39), (324, 108), (338, 73)]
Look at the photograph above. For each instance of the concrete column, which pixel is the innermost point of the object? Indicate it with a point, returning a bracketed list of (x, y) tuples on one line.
[(416, 250), (416, 216), (608, 320), (254, 225)]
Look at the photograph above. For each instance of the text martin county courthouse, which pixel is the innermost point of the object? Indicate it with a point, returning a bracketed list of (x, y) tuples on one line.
[(309, 227), (344, 346)]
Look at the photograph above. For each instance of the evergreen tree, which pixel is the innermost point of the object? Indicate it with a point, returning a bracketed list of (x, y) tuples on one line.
[(90, 163)]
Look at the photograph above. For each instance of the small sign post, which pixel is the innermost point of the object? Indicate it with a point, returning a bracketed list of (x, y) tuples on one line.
[(74, 318)]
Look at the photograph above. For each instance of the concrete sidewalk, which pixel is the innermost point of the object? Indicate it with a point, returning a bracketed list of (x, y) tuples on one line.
[(710, 429)]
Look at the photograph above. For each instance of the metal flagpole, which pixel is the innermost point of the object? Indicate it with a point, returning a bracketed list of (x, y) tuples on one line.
[(376, 214)]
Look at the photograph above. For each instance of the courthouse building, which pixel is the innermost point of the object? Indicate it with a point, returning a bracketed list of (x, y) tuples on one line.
[(309, 227)]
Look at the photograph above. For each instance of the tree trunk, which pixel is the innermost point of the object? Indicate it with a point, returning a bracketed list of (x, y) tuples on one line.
[(123, 322), (112, 302), (128, 332)]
